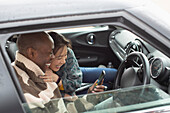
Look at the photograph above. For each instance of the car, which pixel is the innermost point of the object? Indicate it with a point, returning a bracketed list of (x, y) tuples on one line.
[(134, 36)]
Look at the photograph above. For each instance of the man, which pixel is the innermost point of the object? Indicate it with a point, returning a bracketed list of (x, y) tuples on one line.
[(35, 51), (32, 58)]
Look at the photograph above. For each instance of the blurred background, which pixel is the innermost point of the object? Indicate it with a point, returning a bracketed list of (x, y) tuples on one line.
[(164, 4)]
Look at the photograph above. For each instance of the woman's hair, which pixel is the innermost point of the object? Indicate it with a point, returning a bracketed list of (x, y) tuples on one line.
[(59, 41)]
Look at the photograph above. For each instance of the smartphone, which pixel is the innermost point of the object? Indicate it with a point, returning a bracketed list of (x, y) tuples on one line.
[(102, 75)]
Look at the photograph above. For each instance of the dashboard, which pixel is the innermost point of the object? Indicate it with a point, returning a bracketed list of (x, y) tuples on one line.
[(123, 42)]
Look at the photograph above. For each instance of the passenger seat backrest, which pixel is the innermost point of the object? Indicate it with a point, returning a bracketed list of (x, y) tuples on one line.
[(11, 48)]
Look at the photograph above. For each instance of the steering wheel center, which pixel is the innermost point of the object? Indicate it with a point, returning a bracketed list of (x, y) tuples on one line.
[(127, 74)]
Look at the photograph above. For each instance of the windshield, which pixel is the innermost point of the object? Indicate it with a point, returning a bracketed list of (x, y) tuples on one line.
[(126, 99)]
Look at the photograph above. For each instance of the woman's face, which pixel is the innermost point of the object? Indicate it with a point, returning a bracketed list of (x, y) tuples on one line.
[(60, 59)]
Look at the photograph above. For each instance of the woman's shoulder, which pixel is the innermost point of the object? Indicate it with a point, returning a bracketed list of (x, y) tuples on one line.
[(70, 51), (70, 55)]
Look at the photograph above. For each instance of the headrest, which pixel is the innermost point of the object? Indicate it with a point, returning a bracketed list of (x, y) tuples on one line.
[(11, 48)]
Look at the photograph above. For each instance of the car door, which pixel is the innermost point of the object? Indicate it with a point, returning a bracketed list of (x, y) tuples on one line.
[(91, 45)]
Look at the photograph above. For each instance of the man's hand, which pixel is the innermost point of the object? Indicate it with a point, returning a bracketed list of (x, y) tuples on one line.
[(98, 88)]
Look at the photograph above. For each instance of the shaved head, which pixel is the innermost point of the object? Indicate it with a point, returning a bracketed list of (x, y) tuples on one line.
[(37, 47), (32, 40)]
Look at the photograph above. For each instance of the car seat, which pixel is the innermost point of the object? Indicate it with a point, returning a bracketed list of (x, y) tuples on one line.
[(11, 48)]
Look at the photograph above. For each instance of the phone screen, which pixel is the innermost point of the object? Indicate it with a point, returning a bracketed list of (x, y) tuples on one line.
[(101, 78)]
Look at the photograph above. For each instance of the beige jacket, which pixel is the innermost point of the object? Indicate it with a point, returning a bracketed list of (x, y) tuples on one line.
[(37, 92)]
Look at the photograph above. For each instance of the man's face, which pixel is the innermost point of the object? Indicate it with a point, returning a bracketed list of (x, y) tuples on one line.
[(44, 56)]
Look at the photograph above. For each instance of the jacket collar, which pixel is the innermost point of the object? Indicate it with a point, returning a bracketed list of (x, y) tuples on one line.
[(32, 69)]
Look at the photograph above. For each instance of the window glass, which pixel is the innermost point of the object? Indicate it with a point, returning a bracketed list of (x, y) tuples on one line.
[(121, 100)]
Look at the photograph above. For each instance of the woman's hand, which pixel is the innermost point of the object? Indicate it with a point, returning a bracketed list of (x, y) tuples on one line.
[(98, 88), (49, 76)]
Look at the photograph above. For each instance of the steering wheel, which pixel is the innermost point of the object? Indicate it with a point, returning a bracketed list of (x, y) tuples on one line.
[(133, 71)]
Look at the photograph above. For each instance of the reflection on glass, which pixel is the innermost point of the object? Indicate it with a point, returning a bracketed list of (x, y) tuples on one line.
[(120, 100)]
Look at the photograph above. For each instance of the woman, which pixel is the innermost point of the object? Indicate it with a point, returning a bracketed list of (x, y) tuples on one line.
[(67, 75)]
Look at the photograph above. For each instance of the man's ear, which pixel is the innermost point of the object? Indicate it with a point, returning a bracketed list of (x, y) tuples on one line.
[(32, 53)]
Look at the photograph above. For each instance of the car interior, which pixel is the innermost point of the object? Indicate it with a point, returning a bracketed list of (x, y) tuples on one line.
[(129, 36), (137, 61), (99, 45)]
